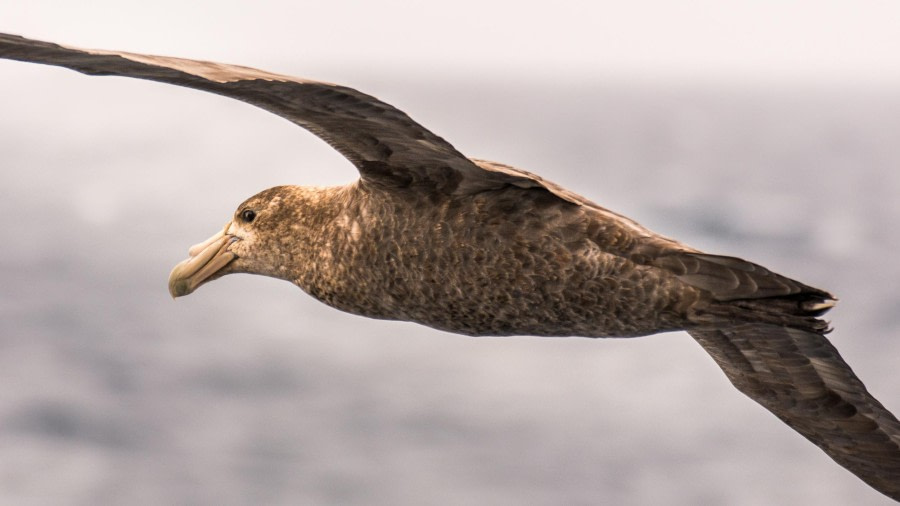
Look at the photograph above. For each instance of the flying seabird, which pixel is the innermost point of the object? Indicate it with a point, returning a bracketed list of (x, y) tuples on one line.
[(481, 248)]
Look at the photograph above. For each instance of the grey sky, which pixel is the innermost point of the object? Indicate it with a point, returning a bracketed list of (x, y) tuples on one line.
[(820, 41)]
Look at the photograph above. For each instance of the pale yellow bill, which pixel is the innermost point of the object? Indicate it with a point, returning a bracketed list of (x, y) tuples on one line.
[(205, 259)]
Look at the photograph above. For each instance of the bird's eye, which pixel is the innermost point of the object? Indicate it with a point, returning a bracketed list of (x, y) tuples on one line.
[(248, 215)]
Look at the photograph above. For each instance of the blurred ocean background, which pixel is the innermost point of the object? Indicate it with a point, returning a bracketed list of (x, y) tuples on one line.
[(251, 392)]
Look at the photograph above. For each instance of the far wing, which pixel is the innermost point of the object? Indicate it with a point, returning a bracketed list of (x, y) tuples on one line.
[(385, 144)]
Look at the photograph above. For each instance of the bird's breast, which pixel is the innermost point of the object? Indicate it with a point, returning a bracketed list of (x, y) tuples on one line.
[(483, 267)]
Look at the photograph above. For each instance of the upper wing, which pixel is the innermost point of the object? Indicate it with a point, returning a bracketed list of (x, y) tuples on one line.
[(385, 144), (799, 376)]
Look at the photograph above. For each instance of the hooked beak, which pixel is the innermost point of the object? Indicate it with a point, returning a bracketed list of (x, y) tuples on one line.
[(206, 259)]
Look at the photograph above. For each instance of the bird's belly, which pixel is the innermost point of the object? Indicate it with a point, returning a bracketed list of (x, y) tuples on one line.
[(503, 295)]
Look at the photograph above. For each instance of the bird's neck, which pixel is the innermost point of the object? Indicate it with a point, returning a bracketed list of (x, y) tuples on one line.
[(327, 221)]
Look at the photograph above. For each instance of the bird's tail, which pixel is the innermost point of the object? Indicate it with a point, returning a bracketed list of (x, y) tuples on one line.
[(738, 291)]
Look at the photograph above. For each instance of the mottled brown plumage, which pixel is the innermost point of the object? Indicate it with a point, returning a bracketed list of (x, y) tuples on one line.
[(480, 248)]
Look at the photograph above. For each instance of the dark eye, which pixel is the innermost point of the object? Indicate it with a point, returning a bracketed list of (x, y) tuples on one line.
[(248, 215)]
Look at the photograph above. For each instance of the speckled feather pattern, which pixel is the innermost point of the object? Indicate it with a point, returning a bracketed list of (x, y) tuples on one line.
[(481, 248), (507, 262), (510, 261)]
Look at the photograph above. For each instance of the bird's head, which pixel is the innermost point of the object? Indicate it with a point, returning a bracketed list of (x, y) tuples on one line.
[(257, 240)]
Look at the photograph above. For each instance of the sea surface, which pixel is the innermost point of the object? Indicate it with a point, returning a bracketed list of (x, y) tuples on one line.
[(251, 392)]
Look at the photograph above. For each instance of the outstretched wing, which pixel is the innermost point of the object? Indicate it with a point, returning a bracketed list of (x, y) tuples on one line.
[(799, 376), (385, 144)]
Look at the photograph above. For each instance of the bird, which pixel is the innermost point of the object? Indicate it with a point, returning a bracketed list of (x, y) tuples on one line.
[(481, 248)]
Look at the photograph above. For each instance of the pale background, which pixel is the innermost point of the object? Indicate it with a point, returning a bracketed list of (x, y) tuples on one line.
[(754, 128)]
